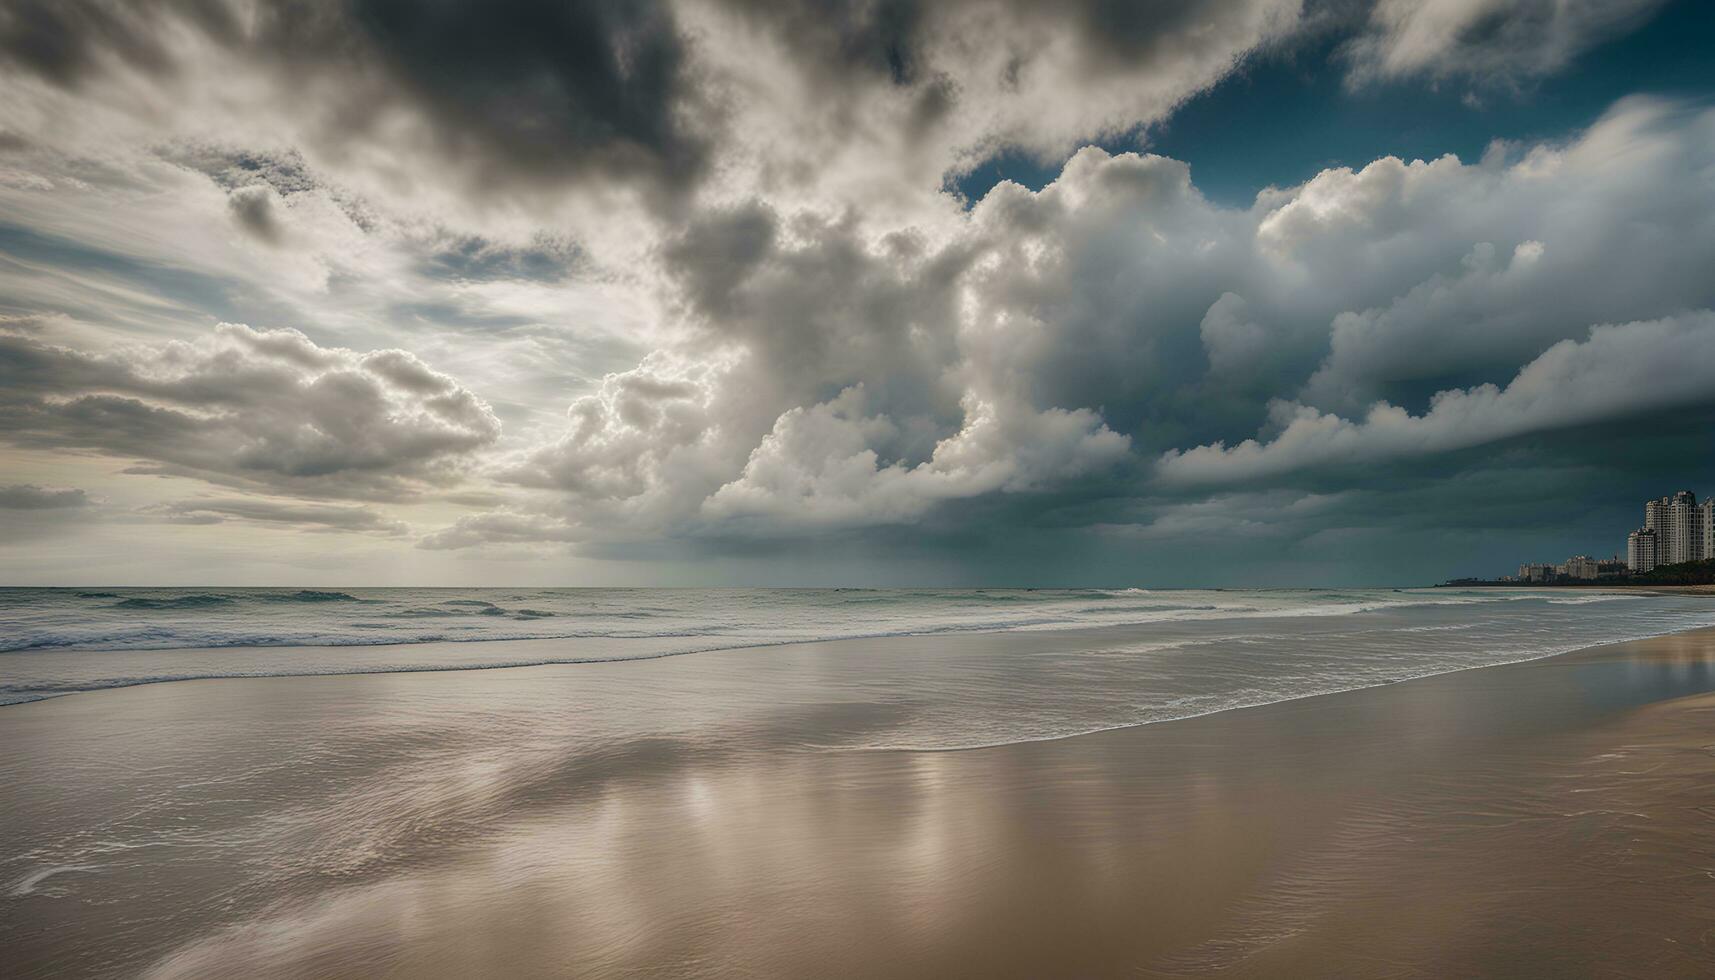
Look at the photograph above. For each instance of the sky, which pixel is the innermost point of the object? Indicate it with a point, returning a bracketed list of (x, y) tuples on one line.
[(834, 292)]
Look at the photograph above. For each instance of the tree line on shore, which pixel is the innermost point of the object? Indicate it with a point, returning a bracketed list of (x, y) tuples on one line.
[(1683, 573)]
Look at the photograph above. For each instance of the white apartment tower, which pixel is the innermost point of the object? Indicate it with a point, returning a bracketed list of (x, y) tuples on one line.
[(1680, 527), (1640, 551), (1704, 518)]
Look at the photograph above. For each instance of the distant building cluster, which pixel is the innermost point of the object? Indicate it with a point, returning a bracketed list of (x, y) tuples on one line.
[(1676, 529), (1576, 568)]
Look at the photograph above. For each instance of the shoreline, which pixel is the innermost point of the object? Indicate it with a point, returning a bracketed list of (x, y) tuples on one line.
[(1594, 650), (1640, 588), (1084, 634), (1469, 822), (1091, 633)]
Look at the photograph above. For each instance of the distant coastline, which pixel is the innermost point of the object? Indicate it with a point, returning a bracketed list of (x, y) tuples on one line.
[(1696, 577)]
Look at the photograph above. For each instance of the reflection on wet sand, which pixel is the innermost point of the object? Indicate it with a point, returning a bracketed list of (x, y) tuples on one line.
[(1546, 819)]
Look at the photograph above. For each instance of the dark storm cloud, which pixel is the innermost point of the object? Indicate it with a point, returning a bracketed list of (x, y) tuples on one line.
[(883, 38), (1481, 510), (817, 304), (509, 91), (517, 97), (519, 88), (900, 41), (1620, 370)]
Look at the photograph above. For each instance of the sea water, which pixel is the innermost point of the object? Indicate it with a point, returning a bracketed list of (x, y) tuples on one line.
[(998, 665)]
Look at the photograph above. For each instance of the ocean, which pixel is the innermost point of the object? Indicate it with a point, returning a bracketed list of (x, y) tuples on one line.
[(1117, 657), (883, 783)]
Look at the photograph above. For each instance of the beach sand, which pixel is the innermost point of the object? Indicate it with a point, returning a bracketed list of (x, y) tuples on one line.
[(1554, 818)]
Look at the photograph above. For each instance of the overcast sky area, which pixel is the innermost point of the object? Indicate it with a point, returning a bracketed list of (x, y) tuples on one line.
[(786, 292)]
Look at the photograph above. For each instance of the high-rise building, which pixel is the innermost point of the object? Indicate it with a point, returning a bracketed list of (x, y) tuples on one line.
[(1678, 524), (1641, 550), (1611, 567), (1704, 521)]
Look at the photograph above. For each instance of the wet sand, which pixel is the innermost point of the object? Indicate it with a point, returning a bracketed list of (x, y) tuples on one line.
[(1554, 818)]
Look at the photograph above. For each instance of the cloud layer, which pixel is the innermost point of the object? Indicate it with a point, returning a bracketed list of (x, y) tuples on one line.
[(618, 277), (250, 408), (1505, 41), (30, 496), (1620, 371), (839, 380)]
